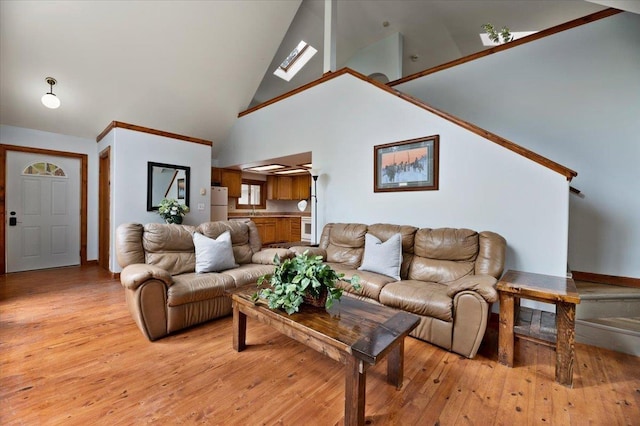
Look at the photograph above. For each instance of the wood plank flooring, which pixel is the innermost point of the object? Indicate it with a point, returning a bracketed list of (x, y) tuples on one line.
[(72, 355)]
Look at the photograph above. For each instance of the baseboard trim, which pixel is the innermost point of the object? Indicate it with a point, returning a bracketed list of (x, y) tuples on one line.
[(606, 279)]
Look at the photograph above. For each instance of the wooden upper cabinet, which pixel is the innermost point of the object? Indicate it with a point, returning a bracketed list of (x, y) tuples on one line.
[(216, 176), (232, 179), (301, 187), (272, 187), (285, 188), (289, 187)]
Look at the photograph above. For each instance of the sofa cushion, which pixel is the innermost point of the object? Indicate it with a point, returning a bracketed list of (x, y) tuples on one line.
[(447, 244), (213, 254), (192, 287), (371, 282), (443, 255), (419, 297), (382, 257), (249, 273), (344, 243), (169, 247)]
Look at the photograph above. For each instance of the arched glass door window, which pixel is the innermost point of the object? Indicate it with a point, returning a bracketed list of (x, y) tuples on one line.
[(44, 168)]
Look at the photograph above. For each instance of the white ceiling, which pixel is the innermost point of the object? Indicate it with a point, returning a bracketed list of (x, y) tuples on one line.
[(189, 67), (183, 67), (437, 31)]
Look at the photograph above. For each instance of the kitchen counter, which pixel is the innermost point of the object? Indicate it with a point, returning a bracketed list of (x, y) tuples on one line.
[(243, 215)]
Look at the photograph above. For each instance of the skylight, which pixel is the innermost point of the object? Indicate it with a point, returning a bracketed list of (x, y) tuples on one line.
[(294, 62), (486, 41)]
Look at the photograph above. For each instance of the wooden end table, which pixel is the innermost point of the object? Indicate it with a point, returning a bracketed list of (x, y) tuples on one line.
[(516, 285), (355, 333)]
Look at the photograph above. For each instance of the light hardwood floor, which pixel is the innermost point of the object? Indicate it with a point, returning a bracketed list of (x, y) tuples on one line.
[(71, 354)]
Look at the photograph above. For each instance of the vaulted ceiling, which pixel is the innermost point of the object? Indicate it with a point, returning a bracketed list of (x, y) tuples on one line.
[(189, 67)]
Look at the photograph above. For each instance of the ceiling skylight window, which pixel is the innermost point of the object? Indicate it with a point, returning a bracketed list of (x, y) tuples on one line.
[(486, 41), (294, 62)]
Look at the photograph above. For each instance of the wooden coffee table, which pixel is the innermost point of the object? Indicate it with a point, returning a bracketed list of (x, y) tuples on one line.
[(355, 333)]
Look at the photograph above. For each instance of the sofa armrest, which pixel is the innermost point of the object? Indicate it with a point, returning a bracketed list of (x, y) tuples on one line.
[(265, 256), (312, 251), (134, 275), (484, 285)]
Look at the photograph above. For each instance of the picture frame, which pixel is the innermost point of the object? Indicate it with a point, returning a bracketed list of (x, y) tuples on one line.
[(181, 189), (411, 165)]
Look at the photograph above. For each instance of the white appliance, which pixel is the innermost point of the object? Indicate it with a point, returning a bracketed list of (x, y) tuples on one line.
[(219, 200), (305, 229)]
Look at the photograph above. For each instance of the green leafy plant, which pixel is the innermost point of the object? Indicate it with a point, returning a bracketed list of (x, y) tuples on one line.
[(495, 35), (300, 276), (172, 211)]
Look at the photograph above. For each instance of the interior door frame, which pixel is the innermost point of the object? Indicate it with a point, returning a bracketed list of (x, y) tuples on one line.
[(84, 161), (104, 209)]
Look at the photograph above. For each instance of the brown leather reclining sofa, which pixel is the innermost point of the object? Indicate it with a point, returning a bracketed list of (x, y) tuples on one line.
[(447, 277), (164, 293)]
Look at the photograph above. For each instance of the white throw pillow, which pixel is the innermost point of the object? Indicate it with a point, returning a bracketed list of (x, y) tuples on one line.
[(382, 258), (213, 255)]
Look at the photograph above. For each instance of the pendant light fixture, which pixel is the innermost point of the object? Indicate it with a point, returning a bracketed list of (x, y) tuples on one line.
[(49, 99)]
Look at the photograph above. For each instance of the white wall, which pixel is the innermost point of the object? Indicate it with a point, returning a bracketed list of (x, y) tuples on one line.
[(482, 185), (384, 56), (573, 97), (130, 152), (10, 135)]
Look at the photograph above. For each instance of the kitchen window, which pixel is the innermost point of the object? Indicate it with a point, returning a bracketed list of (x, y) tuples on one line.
[(253, 195)]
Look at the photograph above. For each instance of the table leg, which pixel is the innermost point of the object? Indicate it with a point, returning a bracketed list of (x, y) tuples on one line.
[(565, 343), (395, 365), (505, 335), (239, 329), (354, 392)]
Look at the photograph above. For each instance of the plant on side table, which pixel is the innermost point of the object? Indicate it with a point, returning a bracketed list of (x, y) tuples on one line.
[(172, 211), (302, 279)]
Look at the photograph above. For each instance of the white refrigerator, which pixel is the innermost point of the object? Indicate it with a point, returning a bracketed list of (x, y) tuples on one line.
[(219, 200)]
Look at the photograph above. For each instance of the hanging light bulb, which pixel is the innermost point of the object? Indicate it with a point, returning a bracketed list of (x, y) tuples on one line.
[(49, 99)]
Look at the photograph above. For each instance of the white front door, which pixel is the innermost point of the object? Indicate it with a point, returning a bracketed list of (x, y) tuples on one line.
[(42, 211)]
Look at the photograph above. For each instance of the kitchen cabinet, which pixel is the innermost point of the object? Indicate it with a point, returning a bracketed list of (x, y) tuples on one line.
[(285, 186), (295, 229), (301, 187), (230, 178), (289, 187), (266, 229), (277, 229), (283, 229), (272, 187)]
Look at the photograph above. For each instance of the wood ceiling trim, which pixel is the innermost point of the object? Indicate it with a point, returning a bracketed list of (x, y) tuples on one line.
[(559, 168), (127, 126), (524, 40)]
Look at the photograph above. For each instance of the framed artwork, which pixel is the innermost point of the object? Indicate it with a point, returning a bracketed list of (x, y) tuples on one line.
[(180, 189), (410, 165)]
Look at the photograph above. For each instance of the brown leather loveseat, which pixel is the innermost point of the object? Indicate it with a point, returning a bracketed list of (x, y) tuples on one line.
[(446, 276), (164, 293)]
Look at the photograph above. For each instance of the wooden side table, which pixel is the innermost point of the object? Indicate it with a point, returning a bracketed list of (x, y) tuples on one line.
[(516, 285)]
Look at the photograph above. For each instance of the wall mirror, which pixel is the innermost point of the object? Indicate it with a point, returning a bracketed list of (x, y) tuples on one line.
[(166, 181)]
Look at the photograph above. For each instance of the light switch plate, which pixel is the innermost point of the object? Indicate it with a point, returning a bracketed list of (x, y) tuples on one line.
[(200, 206)]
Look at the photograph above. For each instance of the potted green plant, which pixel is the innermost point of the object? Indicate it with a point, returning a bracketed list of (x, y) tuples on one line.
[(302, 279), (172, 211), (494, 35)]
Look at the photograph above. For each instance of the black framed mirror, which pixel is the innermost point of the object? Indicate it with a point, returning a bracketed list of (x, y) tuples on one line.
[(167, 181)]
